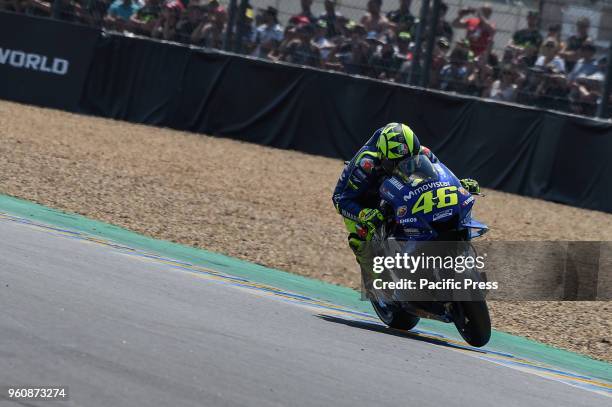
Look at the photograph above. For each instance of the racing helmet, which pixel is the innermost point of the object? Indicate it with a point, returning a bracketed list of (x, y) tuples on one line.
[(396, 142)]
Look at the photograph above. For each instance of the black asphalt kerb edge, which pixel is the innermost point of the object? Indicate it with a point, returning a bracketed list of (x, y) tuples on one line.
[(522, 150)]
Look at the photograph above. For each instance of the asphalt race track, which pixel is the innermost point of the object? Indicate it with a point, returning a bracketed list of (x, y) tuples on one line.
[(119, 330)]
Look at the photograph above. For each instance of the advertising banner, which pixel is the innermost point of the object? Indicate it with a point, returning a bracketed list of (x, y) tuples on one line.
[(43, 61)]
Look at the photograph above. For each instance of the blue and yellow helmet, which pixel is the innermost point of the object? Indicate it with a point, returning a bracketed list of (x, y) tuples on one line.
[(396, 141)]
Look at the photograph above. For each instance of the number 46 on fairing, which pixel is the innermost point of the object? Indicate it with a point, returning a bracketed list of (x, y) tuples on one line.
[(446, 196)]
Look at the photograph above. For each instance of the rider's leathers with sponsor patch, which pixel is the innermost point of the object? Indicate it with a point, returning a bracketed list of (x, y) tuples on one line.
[(358, 188)]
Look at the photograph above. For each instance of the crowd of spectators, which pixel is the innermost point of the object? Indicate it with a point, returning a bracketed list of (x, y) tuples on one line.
[(538, 67)]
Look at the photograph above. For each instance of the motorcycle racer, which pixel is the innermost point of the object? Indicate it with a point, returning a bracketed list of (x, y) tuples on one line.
[(356, 195)]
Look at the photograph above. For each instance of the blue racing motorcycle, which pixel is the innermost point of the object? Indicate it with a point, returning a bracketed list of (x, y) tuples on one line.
[(425, 202)]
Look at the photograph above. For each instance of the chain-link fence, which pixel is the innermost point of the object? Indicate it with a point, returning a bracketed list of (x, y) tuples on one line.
[(548, 53)]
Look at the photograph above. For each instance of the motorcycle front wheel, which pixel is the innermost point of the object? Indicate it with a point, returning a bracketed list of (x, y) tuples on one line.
[(473, 322)]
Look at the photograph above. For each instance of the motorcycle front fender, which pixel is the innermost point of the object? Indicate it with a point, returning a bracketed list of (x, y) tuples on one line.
[(476, 228)]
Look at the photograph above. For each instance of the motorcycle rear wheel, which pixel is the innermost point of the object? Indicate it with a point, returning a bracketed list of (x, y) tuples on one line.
[(394, 316), (473, 322)]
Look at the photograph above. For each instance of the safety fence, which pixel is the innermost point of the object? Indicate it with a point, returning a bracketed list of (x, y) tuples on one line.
[(522, 150), (546, 53)]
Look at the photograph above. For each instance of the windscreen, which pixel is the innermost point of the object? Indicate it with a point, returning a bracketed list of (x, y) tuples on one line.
[(415, 170)]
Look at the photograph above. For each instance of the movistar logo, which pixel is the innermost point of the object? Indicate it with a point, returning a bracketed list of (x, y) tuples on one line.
[(423, 188)]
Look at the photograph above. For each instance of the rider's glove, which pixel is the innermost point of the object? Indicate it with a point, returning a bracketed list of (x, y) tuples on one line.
[(471, 185), (369, 220)]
